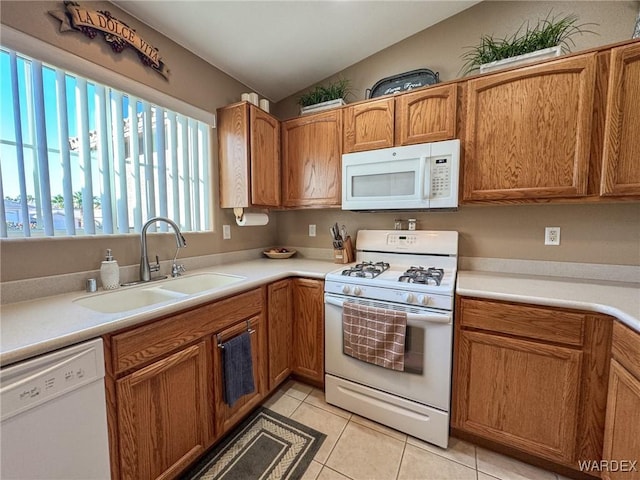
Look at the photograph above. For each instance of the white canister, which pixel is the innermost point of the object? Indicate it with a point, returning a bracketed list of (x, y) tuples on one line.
[(244, 97), (264, 104), (254, 98)]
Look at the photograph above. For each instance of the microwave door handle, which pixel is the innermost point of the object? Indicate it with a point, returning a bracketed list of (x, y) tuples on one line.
[(425, 183), (413, 318)]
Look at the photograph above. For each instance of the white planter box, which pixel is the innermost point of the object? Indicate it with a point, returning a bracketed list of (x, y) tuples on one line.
[(338, 102), (523, 59)]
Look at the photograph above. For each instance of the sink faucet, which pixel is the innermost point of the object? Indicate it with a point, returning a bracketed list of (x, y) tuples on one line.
[(145, 268)]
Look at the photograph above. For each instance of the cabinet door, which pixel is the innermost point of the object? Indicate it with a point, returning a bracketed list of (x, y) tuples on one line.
[(227, 417), (368, 125), (622, 427), (308, 329), (265, 158), (521, 393), (528, 131), (621, 168), (311, 160), (248, 157), (233, 155), (428, 115), (280, 336), (165, 420)]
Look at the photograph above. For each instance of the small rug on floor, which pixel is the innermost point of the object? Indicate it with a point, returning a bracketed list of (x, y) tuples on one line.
[(266, 445)]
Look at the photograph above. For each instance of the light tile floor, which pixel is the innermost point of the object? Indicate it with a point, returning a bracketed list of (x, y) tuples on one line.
[(359, 449)]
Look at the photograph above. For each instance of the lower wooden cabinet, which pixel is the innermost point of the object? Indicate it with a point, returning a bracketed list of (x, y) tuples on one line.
[(308, 329), (531, 378), (280, 334), (622, 428), (164, 414), (164, 380), (520, 392), (226, 416)]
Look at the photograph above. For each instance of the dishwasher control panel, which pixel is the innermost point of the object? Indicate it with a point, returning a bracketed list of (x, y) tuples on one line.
[(36, 381)]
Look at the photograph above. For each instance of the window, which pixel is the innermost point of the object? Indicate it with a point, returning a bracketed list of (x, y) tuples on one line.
[(81, 158)]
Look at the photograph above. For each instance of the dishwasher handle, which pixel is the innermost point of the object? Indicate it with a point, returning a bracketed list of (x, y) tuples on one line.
[(426, 316)]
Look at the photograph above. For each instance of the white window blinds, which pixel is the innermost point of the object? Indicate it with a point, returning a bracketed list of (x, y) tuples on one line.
[(78, 157)]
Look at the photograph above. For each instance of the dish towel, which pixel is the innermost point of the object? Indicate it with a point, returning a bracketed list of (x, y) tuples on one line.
[(374, 335), (237, 368)]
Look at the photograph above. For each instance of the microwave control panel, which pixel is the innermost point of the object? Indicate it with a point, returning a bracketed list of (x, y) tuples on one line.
[(440, 177)]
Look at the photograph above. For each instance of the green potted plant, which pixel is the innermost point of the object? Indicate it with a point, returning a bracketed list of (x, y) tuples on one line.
[(322, 97), (547, 38)]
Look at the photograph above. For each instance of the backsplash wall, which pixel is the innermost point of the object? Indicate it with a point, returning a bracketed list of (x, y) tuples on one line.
[(594, 233)]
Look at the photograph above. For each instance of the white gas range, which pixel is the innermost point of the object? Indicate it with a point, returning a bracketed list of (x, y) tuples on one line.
[(412, 272)]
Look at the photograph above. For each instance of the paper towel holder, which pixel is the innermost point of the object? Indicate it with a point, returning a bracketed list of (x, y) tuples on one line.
[(239, 213)]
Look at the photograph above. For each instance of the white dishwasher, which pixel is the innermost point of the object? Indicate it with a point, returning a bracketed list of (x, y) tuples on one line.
[(54, 416)]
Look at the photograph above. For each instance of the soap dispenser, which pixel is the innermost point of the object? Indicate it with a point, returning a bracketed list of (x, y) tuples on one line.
[(109, 272)]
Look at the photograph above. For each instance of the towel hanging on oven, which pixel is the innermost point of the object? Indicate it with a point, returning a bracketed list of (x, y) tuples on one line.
[(374, 335)]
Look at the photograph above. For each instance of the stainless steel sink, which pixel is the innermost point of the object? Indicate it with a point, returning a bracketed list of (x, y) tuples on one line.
[(149, 294)]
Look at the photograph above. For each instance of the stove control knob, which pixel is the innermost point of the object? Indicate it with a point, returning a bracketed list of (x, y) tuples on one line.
[(357, 291), (409, 298), (346, 289), (424, 299)]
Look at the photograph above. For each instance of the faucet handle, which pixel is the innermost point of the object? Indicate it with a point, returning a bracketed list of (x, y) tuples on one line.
[(177, 270), (156, 267)]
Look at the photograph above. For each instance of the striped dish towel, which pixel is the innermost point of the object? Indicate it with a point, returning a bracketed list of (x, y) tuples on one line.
[(374, 335)]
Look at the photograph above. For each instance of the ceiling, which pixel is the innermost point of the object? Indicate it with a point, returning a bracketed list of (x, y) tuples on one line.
[(278, 48)]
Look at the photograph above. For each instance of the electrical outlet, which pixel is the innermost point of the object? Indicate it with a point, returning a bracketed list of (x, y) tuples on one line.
[(226, 232), (312, 230), (552, 236)]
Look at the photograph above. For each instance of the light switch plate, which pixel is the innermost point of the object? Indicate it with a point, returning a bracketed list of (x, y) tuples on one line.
[(226, 232), (312, 230)]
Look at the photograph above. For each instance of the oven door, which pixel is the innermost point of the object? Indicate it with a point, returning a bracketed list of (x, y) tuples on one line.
[(428, 347)]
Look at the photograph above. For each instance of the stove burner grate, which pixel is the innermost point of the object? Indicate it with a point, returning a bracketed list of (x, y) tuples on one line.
[(366, 269), (422, 275)]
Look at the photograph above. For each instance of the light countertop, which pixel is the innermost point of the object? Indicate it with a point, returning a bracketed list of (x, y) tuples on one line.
[(34, 327), (618, 299), (38, 326)]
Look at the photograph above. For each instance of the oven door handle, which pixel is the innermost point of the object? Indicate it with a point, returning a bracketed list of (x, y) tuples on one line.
[(411, 317)]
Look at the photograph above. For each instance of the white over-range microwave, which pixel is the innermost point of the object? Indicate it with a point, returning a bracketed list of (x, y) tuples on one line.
[(423, 176)]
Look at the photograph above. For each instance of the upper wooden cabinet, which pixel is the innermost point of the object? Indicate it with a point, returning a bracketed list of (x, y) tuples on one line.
[(311, 160), (249, 157), (528, 131), (368, 125), (427, 115), (621, 157)]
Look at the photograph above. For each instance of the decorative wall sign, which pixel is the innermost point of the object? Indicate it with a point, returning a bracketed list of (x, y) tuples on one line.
[(115, 32)]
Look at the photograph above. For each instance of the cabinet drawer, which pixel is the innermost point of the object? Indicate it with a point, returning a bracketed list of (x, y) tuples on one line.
[(523, 320), (626, 348), (143, 344)]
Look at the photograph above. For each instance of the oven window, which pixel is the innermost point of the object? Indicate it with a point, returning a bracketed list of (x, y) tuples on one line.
[(383, 184), (414, 350)]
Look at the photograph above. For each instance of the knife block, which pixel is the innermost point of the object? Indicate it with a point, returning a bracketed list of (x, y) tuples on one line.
[(345, 254)]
